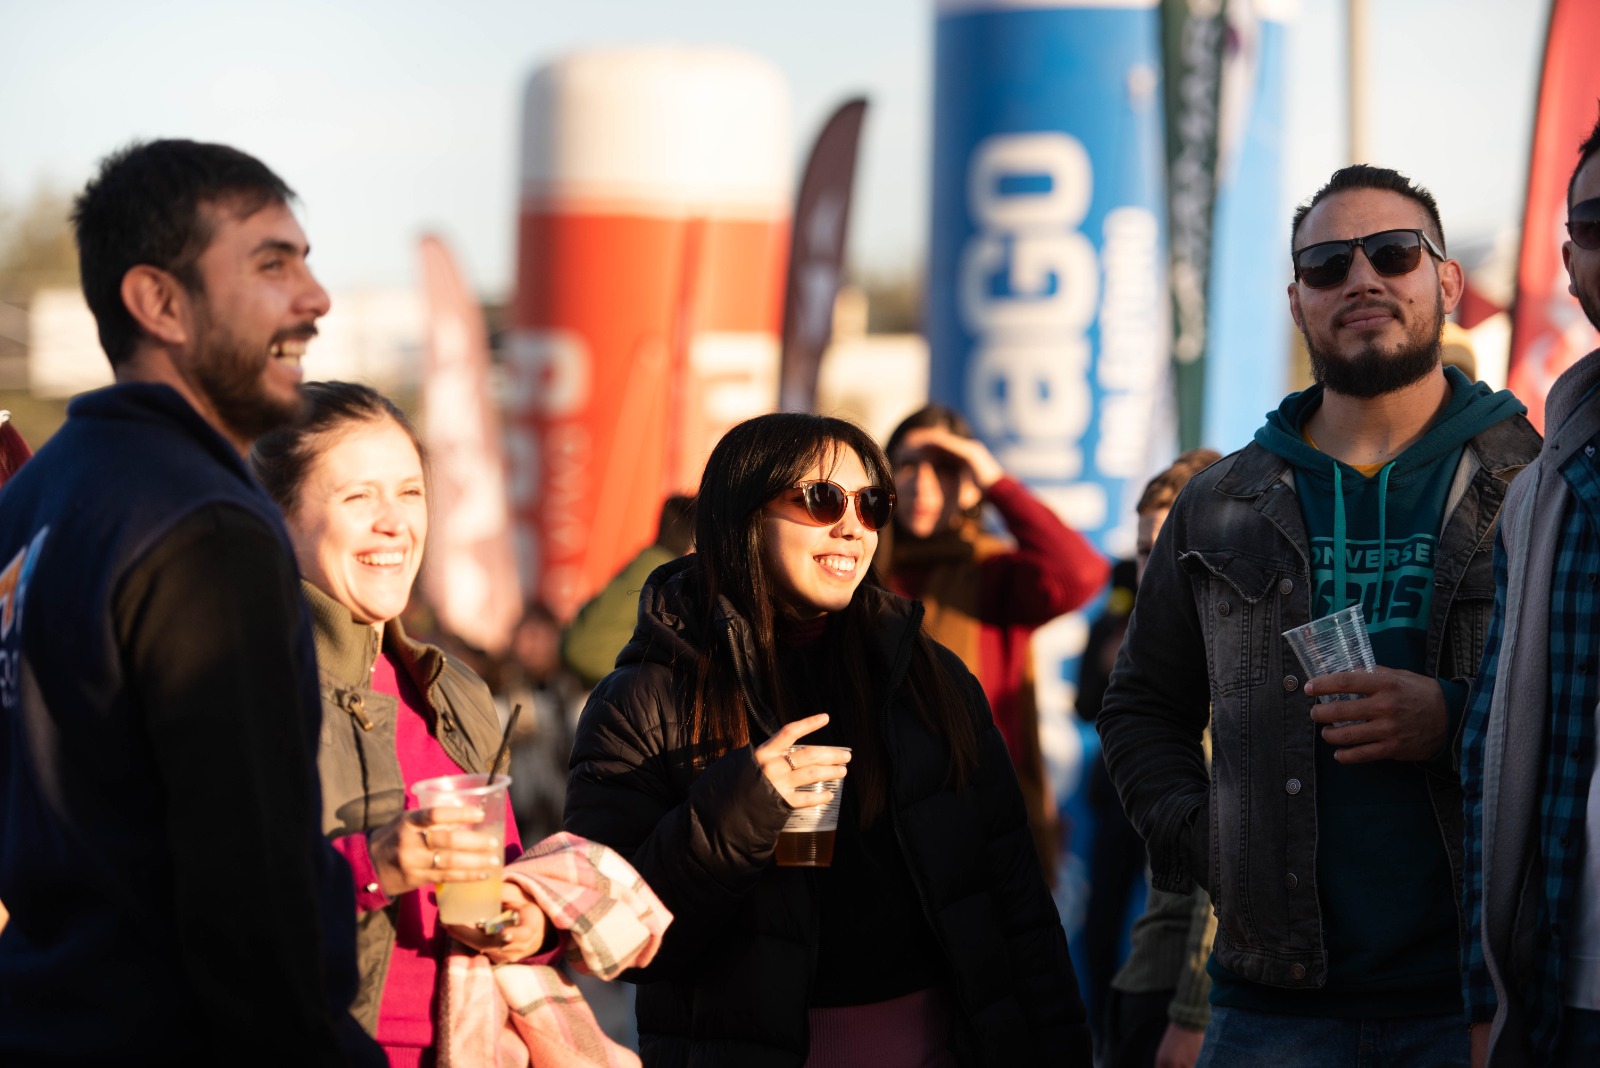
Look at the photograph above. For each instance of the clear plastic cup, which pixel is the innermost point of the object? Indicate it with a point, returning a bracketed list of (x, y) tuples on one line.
[(1333, 643), (465, 904), (806, 840)]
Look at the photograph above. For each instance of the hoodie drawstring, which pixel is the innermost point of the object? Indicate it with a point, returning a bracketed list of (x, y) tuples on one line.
[(1339, 586), (1383, 541)]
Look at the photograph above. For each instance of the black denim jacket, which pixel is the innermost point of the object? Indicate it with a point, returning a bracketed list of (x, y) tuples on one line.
[(1229, 574)]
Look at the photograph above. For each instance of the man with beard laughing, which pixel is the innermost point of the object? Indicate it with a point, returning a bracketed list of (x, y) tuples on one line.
[(171, 894), (1330, 838)]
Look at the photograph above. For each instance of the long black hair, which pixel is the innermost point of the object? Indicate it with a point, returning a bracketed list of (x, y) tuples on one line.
[(752, 464)]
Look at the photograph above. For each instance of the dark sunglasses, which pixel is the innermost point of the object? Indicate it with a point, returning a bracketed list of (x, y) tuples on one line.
[(1391, 253), (1583, 224), (822, 503)]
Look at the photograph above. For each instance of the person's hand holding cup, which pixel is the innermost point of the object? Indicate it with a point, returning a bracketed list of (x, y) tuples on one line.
[(464, 819), (810, 778)]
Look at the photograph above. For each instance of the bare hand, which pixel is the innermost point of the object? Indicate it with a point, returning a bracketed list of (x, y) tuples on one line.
[(520, 940), (1478, 1037), (1404, 715), (1180, 1047), (979, 461), (813, 763), (426, 846)]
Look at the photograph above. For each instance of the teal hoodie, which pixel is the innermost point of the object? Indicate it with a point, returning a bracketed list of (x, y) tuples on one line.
[(1383, 875)]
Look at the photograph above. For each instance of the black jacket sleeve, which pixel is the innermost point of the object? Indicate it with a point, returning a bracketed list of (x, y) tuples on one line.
[(207, 623), (1155, 714), (700, 842), (1038, 960)]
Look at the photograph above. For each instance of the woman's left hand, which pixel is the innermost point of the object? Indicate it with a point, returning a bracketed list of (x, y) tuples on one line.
[(523, 939)]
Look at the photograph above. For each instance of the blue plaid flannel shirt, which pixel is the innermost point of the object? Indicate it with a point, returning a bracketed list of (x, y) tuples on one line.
[(1569, 753)]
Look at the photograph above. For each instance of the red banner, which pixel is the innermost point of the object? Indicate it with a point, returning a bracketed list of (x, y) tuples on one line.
[(469, 573), (1548, 329)]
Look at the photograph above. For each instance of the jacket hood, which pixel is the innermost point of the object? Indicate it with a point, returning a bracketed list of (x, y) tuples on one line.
[(1473, 408)]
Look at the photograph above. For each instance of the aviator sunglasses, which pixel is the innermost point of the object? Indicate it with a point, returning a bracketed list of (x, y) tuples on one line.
[(1583, 224), (822, 503), (1391, 253)]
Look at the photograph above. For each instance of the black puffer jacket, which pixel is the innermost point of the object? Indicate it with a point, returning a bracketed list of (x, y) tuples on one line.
[(731, 984)]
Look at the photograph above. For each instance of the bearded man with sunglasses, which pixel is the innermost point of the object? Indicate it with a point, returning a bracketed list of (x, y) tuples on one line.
[(1328, 835), (1532, 896)]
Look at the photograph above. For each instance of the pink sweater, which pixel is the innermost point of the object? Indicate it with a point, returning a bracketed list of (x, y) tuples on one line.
[(405, 1016)]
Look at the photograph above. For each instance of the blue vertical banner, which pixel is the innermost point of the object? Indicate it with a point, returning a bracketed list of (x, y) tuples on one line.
[(1047, 311), (1247, 365)]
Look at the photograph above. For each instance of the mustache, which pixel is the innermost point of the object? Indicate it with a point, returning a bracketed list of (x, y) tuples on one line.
[(300, 332), (1356, 311)]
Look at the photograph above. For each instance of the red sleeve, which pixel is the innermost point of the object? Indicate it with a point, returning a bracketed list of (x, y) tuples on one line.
[(1054, 568), (364, 874)]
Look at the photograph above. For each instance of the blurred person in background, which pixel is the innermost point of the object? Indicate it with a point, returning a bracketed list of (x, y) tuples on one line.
[(1156, 1010), (1116, 859), (932, 939), (984, 597), (170, 893), (590, 645), (351, 480), (532, 676)]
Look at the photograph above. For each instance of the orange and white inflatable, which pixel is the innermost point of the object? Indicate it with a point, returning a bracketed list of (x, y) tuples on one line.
[(651, 247)]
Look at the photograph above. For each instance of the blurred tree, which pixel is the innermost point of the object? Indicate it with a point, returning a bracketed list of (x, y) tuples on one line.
[(36, 252), (894, 301), (36, 248)]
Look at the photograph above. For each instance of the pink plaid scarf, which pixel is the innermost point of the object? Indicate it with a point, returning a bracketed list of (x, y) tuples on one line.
[(516, 1015)]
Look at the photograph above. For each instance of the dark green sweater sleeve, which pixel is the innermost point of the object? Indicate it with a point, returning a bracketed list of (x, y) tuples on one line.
[(591, 642)]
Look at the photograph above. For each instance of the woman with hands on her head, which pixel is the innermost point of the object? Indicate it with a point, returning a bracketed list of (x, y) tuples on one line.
[(984, 597), (351, 481), (931, 940)]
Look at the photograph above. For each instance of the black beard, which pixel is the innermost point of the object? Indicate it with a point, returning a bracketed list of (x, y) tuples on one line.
[(1372, 372), (229, 372), (1590, 303)]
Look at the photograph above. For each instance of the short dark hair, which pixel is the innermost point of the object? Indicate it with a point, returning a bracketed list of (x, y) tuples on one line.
[(144, 208), (283, 457), (1366, 176), (1588, 148), (1162, 490), (675, 528)]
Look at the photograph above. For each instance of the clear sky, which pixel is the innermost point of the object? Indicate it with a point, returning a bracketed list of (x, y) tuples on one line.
[(391, 117)]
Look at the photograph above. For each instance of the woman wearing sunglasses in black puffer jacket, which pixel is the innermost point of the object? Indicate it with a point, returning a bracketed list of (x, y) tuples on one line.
[(931, 940)]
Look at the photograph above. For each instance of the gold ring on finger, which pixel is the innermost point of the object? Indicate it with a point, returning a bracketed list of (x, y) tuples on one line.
[(436, 858), (790, 761), (425, 839)]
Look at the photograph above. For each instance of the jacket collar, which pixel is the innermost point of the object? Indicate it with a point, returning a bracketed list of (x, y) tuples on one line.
[(1502, 449), (346, 650)]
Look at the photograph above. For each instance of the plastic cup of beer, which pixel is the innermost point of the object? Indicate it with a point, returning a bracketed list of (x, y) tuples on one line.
[(1336, 642), (472, 902), (806, 840)]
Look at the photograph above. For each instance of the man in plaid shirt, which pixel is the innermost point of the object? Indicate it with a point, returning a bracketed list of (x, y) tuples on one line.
[(1532, 887)]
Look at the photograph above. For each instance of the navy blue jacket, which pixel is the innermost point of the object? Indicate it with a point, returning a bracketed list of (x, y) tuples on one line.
[(160, 848)]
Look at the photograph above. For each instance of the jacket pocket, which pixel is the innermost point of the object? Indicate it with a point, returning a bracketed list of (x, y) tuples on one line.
[(1231, 595)]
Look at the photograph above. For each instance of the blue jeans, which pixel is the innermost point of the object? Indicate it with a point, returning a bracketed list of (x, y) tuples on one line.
[(1238, 1038), (1579, 1046)]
